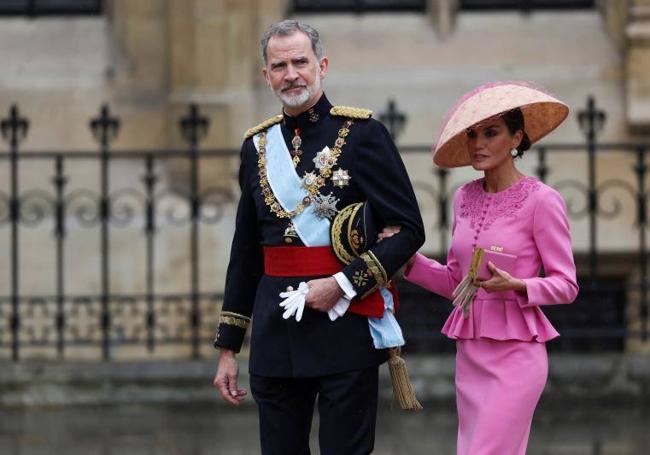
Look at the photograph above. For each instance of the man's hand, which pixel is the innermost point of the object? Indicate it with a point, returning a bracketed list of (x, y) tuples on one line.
[(323, 294), (226, 378)]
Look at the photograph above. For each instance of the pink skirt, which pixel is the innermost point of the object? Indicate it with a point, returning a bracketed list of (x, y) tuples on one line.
[(498, 385)]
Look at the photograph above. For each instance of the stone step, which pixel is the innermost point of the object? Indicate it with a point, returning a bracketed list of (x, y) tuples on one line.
[(47, 383)]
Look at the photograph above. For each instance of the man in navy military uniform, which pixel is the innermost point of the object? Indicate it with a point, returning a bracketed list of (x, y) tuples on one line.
[(298, 170)]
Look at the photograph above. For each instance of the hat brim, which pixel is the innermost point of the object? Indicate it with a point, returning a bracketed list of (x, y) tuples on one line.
[(542, 114)]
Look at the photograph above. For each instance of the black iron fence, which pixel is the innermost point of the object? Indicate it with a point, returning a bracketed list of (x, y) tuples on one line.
[(106, 318), (84, 195)]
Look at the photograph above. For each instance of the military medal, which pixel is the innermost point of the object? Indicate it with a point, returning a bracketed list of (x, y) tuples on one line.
[(324, 159), (325, 206), (296, 142), (341, 178), (309, 180)]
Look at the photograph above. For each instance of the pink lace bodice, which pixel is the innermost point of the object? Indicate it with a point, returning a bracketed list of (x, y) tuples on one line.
[(505, 203)]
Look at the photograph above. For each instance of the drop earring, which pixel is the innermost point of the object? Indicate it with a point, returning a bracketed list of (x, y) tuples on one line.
[(514, 153)]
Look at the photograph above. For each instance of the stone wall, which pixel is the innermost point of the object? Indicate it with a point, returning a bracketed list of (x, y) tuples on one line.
[(149, 59)]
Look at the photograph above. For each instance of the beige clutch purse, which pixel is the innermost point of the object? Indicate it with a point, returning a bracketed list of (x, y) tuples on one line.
[(464, 293)]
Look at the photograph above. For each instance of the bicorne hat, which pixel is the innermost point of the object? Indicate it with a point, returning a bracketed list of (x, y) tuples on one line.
[(354, 230)]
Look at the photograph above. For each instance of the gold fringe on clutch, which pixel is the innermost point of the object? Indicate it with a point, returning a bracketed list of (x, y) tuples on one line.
[(464, 294), (403, 393)]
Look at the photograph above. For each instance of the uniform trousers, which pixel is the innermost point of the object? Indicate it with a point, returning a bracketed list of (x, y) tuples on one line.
[(347, 407)]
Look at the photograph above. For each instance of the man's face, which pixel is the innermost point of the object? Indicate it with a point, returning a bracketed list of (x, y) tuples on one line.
[(293, 72)]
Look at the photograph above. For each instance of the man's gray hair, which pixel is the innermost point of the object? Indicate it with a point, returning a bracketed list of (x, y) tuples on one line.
[(287, 28)]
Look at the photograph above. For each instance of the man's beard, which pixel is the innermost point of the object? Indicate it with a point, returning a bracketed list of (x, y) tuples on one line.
[(301, 98)]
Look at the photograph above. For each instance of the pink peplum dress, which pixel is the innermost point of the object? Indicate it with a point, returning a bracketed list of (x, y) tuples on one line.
[(501, 360)]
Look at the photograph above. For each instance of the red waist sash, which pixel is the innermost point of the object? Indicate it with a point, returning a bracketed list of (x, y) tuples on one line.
[(299, 261)]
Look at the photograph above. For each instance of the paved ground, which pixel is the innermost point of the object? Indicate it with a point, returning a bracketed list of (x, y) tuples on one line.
[(593, 429)]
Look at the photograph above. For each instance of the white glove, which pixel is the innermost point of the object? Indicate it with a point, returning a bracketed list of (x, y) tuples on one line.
[(339, 309), (294, 302)]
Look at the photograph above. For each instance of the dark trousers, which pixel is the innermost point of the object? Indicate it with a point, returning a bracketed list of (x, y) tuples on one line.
[(347, 407)]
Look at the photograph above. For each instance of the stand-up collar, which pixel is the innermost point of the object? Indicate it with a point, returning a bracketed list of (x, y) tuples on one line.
[(310, 117)]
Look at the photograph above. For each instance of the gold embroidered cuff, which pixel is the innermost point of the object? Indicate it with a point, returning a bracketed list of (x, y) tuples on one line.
[(239, 320), (375, 268)]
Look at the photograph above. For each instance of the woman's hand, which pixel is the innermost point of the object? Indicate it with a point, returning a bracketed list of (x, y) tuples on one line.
[(390, 231), (501, 281), (387, 232)]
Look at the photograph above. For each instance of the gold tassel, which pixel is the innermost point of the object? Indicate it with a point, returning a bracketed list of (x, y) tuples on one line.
[(403, 393)]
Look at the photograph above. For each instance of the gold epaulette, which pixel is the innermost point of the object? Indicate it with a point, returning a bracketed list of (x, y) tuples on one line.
[(351, 112), (262, 126)]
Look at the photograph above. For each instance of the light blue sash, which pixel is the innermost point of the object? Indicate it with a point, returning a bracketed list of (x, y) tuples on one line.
[(288, 190), (385, 331), (315, 231)]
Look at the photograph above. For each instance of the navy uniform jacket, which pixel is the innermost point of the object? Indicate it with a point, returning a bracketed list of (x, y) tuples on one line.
[(316, 346)]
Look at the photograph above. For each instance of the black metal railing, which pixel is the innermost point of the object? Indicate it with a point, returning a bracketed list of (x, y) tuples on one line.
[(101, 212), (107, 318)]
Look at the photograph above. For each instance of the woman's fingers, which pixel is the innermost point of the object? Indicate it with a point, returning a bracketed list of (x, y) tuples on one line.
[(387, 232)]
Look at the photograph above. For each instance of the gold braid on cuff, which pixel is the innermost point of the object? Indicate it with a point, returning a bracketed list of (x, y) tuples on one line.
[(239, 320), (375, 268)]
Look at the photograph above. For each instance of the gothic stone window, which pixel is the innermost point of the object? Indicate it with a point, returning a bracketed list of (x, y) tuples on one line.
[(525, 5), (357, 6), (50, 7)]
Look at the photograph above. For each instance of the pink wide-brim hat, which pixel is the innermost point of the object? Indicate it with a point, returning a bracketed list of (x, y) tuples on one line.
[(542, 114)]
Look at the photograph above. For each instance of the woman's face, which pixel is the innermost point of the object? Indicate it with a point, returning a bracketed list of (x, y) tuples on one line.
[(490, 142)]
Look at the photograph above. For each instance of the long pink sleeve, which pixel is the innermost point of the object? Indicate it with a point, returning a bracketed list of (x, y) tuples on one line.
[(553, 240), (433, 276)]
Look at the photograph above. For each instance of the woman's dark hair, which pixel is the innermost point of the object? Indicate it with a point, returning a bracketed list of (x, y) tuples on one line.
[(514, 120)]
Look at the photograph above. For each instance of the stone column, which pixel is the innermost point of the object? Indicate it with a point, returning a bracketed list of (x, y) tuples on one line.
[(215, 61), (138, 78), (637, 90), (615, 16), (443, 15), (634, 344)]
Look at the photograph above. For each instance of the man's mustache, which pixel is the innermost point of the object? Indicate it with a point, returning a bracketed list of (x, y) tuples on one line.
[(292, 86)]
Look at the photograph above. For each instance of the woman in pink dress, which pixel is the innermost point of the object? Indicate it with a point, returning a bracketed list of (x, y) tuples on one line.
[(501, 360)]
